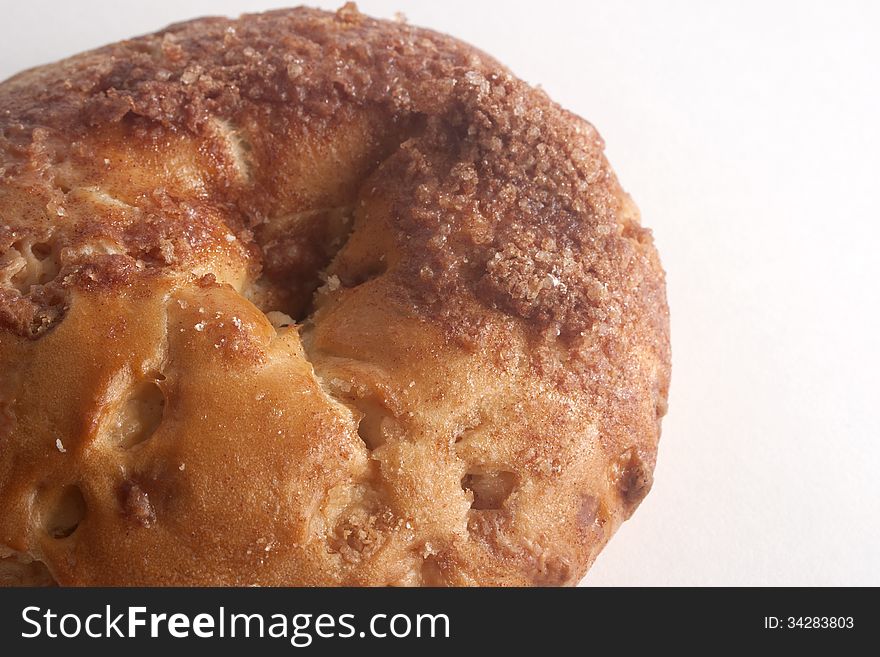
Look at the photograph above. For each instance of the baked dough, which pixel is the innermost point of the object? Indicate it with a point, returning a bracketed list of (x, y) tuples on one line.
[(310, 298)]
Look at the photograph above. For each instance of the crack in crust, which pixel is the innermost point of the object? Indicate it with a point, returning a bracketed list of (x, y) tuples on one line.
[(403, 309)]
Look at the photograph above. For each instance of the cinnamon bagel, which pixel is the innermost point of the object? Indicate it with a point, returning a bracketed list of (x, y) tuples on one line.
[(307, 298)]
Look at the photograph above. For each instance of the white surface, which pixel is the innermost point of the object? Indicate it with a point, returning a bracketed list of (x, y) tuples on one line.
[(749, 134)]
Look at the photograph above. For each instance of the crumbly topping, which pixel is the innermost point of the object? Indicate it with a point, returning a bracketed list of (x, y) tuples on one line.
[(498, 195)]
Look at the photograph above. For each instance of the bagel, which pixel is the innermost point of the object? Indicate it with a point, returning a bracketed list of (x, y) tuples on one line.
[(308, 298)]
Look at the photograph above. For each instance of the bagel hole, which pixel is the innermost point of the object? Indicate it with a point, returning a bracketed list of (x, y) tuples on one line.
[(66, 513), (296, 250), (489, 489), (140, 414)]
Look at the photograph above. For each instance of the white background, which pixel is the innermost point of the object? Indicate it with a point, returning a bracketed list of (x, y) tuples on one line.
[(749, 134)]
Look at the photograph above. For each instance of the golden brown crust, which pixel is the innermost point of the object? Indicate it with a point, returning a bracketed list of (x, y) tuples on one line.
[(473, 390)]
